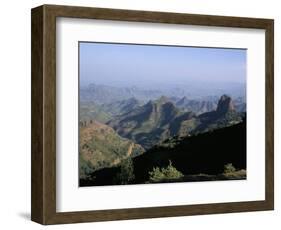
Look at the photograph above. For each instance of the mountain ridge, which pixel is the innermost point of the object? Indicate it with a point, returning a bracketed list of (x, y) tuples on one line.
[(161, 119)]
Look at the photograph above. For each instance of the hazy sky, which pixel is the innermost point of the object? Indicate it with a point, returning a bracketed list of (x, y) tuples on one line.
[(125, 64)]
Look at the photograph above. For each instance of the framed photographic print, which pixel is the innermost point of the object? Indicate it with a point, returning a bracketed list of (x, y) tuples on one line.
[(140, 114)]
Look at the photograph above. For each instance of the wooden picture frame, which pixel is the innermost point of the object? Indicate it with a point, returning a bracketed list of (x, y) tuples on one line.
[(43, 208)]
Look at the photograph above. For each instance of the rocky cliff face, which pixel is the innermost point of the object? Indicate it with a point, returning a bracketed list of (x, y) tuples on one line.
[(158, 120), (225, 105)]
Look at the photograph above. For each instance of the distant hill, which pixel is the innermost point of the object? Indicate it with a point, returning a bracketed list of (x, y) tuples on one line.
[(101, 146), (207, 104), (240, 104), (196, 106), (121, 107), (200, 97), (205, 153), (89, 110), (103, 94)]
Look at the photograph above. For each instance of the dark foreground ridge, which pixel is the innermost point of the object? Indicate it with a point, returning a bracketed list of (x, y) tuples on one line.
[(205, 155)]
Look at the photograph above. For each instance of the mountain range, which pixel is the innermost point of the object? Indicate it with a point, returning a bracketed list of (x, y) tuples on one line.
[(158, 120), (104, 94), (117, 124), (196, 106), (103, 103)]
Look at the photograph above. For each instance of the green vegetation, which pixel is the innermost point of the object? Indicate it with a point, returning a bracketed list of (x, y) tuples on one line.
[(101, 146), (230, 172), (85, 169), (164, 174), (126, 174), (109, 153), (229, 168)]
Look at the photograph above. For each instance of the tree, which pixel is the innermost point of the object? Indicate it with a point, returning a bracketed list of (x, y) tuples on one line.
[(126, 174), (86, 169)]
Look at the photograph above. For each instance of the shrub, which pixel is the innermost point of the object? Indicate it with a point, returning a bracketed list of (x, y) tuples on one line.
[(229, 168), (156, 175), (230, 172), (165, 174)]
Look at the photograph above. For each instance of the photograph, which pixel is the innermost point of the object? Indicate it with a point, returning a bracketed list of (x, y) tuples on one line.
[(161, 113), (170, 112)]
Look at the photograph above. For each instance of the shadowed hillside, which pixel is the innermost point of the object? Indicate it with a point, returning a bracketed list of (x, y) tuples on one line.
[(148, 124), (205, 153)]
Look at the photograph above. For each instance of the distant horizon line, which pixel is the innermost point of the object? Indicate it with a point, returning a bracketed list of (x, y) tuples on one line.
[(161, 84)]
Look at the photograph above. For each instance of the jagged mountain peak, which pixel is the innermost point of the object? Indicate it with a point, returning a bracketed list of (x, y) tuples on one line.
[(162, 100), (225, 104), (160, 103)]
